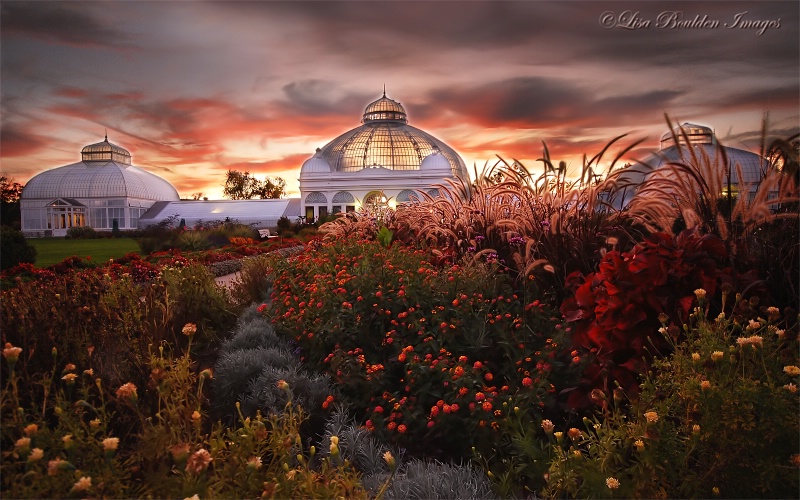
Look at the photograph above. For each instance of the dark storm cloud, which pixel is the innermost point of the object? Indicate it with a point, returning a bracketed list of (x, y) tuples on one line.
[(663, 42), (20, 141), (537, 102), (545, 32), (322, 97), (787, 97), (60, 22)]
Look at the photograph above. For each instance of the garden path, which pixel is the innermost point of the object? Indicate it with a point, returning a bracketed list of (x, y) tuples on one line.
[(227, 280)]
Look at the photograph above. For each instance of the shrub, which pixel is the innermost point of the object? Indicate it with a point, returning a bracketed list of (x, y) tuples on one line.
[(81, 437), (615, 311), (225, 267), (254, 282), (14, 248), (716, 418), (82, 233), (193, 241), (425, 355)]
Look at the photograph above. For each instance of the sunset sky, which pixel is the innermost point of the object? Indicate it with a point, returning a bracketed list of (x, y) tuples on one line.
[(193, 89)]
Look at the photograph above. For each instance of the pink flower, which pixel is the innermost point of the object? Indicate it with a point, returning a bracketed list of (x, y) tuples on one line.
[(198, 461)]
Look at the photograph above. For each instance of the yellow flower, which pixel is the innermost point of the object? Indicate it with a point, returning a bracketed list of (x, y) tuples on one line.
[(282, 385), (82, 484), (790, 387), (695, 429), (31, 429), (69, 378), (89, 372), (189, 329), (716, 355), (110, 444), (196, 416), (36, 454), (389, 459), (54, 466), (69, 368), (94, 424), (612, 483), (639, 445), (695, 356), (23, 443), (705, 385), (651, 416), (792, 370), (700, 294), (548, 426), (574, 433), (193, 497), (11, 353)]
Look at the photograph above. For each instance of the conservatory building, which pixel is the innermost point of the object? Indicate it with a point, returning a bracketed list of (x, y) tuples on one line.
[(104, 191), (703, 143), (384, 161)]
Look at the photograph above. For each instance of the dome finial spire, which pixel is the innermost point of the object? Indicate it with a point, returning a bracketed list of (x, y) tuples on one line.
[(384, 90), (106, 138)]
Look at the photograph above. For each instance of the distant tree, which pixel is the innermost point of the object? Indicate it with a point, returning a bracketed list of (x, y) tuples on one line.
[(197, 196), (243, 186), (272, 189), (10, 193)]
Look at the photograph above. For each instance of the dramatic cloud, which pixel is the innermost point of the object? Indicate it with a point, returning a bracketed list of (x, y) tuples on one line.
[(195, 88), (61, 22)]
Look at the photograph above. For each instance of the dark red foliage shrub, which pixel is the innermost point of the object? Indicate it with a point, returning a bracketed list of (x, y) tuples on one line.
[(614, 312)]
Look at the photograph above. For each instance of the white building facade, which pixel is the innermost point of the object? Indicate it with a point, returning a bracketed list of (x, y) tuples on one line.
[(384, 161), (103, 191)]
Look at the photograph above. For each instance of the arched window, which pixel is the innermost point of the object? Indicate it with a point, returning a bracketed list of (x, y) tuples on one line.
[(343, 197), (316, 197), (407, 195)]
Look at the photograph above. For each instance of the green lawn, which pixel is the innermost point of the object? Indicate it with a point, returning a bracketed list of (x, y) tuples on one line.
[(54, 250)]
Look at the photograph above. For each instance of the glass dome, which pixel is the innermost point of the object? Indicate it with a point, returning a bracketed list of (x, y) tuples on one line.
[(386, 140), (697, 134), (384, 109), (103, 173), (105, 151)]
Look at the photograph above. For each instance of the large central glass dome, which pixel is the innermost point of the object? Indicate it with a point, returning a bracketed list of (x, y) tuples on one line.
[(386, 140)]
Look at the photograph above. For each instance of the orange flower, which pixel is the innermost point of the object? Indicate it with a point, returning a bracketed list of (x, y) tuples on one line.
[(11, 353), (127, 391)]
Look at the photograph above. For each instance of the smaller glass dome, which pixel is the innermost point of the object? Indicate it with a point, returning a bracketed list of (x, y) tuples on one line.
[(697, 134), (315, 164), (435, 161), (106, 151), (384, 109)]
